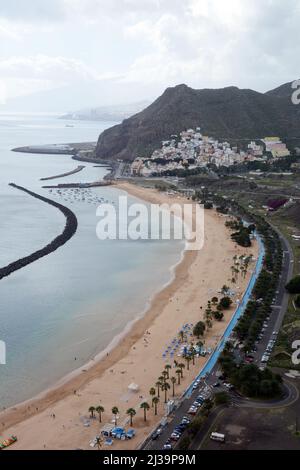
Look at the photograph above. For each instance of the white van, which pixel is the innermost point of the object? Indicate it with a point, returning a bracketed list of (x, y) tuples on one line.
[(215, 436)]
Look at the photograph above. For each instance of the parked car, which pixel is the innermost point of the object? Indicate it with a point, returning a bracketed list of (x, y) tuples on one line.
[(185, 420), (249, 360)]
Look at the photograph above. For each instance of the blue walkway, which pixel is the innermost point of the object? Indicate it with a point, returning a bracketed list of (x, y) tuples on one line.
[(210, 364)]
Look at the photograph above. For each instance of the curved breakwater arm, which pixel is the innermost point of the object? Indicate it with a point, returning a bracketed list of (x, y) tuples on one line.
[(60, 240)]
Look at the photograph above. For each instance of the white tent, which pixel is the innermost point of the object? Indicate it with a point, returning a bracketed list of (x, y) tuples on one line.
[(133, 387)]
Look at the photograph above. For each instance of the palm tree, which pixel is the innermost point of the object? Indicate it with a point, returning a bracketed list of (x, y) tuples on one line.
[(173, 381), (188, 360), (115, 412), (165, 387), (193, 354), (215, 301), (179, 372), (168, 367), (92, 410), (99, 442), (181, 367), (145, 406), (161, 378), (225, 290), (232, 270), (100, 410), (131, 412), (155, 402), (152, 392), (158, 385), (181, 335)]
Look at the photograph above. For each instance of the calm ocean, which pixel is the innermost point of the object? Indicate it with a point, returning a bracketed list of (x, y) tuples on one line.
[(72, 303)]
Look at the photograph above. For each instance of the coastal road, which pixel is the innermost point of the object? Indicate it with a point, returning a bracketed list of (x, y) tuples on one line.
[(177, 417), (281, 299), (276, 319)]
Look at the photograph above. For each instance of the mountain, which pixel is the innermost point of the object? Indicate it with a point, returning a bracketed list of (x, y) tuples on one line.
[(107, 113), (228, 113), (283, 91)]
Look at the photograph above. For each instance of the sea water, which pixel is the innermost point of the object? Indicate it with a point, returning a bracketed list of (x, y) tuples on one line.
[(59, 312)]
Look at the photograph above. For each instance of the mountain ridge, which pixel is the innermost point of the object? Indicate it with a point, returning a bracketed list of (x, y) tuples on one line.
[(226, 113)]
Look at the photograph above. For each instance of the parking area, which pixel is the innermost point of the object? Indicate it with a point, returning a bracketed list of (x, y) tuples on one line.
[(167, 436)]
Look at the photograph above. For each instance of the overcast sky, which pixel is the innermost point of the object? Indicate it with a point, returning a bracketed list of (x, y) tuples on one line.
[(118, 51)]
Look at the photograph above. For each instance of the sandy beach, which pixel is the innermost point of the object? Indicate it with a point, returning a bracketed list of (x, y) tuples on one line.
[(55, 419)]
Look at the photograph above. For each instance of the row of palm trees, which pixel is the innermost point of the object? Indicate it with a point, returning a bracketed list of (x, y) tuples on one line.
[(163, 385), (240, 265), (131, 412)]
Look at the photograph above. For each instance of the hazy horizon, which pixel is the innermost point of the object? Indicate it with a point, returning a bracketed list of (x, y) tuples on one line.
[(64, 55)]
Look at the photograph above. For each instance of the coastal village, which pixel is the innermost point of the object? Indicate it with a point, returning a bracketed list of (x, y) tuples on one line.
[(192, 150)]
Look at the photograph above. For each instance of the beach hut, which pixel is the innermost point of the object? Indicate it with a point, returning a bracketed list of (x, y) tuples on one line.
[(118, 433), (107, 429)]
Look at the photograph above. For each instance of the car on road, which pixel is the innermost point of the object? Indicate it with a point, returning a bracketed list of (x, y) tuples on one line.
[(228, 385), (186, 420), (216, 385), (192, 411), (156, 434), (198, 404), (180, 428), (175, 436), (168, 445)]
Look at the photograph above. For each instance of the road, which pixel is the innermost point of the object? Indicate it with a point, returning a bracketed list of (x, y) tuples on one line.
[(291, 395), (281, 299), (276, 318), (177, 417)]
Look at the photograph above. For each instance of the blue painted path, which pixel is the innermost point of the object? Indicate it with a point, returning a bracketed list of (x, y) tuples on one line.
[(210, 364)]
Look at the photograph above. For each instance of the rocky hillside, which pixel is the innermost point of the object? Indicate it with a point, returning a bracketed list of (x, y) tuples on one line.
[(229, 113)]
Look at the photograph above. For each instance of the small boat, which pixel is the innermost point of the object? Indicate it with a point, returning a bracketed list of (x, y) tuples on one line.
[(8, 442)]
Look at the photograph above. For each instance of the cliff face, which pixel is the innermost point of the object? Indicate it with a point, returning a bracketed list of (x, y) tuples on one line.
[(228, 113)]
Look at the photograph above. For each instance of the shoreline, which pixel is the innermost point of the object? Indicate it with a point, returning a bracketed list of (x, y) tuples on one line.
[(121, 347), (76, 377)]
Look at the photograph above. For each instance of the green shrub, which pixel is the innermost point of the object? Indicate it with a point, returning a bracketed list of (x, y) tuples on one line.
[(225, 303), (293, 287), (221, 398)]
